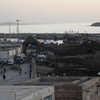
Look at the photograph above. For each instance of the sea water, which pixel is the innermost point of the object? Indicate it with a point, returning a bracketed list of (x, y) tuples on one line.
[(52, 28)]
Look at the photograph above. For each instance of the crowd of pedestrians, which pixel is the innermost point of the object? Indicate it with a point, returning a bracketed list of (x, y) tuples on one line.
[(10, 76), (3, 72)]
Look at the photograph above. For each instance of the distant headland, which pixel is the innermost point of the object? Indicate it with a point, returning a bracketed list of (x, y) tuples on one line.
[(7, 23), (97, 24), (14, 23)]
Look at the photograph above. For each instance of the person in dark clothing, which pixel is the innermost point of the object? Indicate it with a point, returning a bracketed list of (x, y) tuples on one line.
[(4, 77), (20, 71), (4, 70)]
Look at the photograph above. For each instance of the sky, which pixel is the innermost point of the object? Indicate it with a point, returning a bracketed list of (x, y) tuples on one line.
[(50, 11)]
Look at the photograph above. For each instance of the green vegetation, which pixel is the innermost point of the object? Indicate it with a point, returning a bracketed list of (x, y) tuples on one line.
[(77, 60), (90, 47), (84, 65)]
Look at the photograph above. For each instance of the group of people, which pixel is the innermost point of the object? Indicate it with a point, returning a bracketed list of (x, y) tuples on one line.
[(4, 71)]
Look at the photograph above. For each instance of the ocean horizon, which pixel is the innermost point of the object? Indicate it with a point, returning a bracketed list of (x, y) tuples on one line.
[(52, 28)]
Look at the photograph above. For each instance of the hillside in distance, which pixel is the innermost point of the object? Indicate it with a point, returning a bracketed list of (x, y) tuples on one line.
[(7, 23), (97, 24), (14, 23)]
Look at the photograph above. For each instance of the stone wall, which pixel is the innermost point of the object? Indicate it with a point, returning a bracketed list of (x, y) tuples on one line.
[(91, 89), (68, 92)]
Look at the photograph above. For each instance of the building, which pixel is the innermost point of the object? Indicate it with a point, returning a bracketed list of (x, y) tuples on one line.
[(27, 93), (9, 50), (70, 88), (91, 89)]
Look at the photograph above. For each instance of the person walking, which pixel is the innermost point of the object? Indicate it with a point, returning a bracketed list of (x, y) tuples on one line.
[(4, 76), (4, 70), (20, 71)]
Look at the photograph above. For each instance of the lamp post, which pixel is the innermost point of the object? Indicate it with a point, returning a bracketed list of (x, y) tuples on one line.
[(17, 26), (9, 27)]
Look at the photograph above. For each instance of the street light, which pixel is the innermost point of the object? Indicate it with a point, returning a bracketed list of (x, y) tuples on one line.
[(9, 27), (17, 26)]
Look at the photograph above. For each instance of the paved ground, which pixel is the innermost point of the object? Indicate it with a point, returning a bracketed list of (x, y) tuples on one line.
[(13, 77)]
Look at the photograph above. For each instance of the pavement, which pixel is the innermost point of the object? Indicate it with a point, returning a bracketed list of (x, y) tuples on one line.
[(14, 77)]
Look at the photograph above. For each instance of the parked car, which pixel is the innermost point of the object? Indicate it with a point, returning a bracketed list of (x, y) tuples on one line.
[(41, 58), (20, 58), (10, 61)]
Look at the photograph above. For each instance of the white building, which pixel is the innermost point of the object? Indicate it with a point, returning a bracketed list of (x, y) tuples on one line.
[(27, 93), (8, 51)]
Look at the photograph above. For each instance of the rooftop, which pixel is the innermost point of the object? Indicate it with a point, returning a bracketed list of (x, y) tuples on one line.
[(22, 91), (56, 81)]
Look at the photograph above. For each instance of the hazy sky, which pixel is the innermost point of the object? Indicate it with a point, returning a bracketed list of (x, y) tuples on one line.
[(50, 11)]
